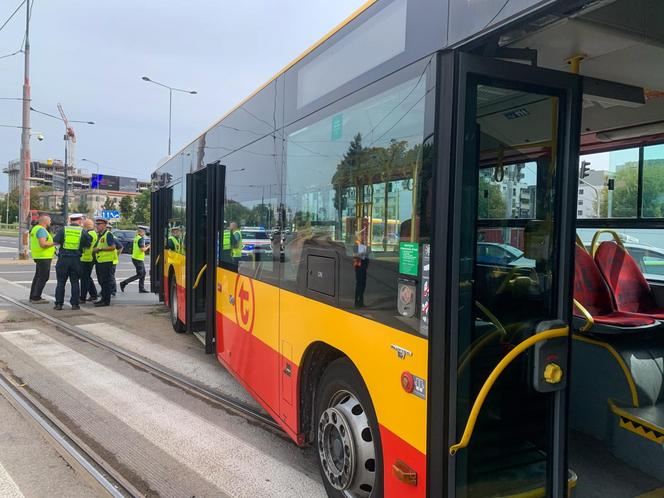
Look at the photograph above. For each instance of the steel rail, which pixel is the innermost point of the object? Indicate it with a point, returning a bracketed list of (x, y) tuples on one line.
[(101, 471), (155, 369)]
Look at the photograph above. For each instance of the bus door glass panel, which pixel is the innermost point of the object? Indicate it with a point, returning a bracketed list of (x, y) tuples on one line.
[(249, 260), (509, 275), (197, 228), (161, 212)]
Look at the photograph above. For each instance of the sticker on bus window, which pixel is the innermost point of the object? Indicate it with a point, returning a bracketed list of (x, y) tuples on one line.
[(425, 290), (337, 126), (409, 255)]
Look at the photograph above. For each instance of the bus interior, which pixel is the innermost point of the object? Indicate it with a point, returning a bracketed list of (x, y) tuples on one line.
[(616, 387)]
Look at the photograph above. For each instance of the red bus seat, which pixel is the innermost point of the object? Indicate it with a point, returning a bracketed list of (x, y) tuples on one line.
[(592, 292), (630, 289)]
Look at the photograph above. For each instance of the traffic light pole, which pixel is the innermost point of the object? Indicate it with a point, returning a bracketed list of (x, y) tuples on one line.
[(24, 186)]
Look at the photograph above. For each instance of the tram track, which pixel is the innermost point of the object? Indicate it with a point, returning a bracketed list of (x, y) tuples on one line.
[(220, 399), (99, 472)]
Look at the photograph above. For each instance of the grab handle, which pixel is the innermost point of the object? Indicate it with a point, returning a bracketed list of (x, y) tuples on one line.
[(200, 275), (493, 376)]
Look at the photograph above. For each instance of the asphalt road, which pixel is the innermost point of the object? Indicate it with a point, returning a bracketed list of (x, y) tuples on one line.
[(22, 272)]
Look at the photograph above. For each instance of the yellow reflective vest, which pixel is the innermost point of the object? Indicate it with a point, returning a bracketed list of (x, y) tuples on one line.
[(38, 252)]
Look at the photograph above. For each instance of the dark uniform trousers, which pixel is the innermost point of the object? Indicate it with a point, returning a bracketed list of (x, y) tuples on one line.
[(42, 274), (67, 268), (104, 276), (140, 274), (87, 285)]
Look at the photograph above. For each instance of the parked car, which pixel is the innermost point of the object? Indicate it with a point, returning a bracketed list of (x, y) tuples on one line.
[(127, 239), (492, 253), (256, 242)]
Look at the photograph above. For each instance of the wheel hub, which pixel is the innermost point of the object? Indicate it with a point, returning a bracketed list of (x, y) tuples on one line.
[(345, 446)]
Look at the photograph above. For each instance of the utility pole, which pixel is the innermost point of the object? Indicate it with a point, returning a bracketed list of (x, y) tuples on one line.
[(24, 187)]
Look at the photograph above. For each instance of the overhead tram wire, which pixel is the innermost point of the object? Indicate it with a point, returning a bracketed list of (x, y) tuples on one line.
[(12, 15), (22, 47)]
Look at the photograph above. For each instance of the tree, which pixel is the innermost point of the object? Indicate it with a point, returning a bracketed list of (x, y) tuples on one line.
[(82, 206), (142, 210), (35, 199), (490, 202), (127, 207), (109, 204), (11, 198)]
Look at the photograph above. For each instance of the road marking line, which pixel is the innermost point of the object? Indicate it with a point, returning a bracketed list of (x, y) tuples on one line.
[(8, 249), (8, 488), (226, 461)]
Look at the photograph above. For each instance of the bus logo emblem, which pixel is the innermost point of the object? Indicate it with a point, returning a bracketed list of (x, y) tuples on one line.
[(245, 309)]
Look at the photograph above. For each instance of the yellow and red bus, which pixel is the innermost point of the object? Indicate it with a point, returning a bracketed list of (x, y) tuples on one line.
[(416, 175)]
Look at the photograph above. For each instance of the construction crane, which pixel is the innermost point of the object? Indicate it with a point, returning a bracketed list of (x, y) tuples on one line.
[(70, 143)]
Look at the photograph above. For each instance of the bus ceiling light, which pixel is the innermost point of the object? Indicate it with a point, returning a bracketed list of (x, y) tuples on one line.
[(631, 132)]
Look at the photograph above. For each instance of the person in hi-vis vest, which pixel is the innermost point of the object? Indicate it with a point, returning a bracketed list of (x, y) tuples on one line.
[(72, 240), (105, 252), (139, 248), (42, 249), (88, 289)]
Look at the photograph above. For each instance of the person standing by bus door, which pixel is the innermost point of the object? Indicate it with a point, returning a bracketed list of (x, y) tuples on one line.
[(88, 289), (236, 242), (42, 249), (72, 239), (174, 243), (104, 251), (139, 247)]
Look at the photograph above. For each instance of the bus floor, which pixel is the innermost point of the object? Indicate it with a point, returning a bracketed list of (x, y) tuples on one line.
[(602, 475)]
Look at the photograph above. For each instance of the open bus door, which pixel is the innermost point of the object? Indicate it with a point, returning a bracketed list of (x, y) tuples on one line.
[(204, 217), (513, 153), (161, 205)]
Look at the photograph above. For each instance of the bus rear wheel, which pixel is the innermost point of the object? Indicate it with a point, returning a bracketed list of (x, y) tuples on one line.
[(347, 437), (177, 324)]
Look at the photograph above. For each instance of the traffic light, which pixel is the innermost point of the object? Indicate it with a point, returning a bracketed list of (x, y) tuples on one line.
[(585, 169)]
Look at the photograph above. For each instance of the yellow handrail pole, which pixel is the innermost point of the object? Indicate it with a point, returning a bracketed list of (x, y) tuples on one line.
[(156, 261), (200, 274), (590, 321), (493, 376)]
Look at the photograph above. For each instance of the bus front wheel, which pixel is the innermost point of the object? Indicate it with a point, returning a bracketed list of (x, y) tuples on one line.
[(177, 324), (347, 436)]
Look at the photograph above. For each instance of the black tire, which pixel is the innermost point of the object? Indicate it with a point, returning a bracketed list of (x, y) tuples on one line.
[(345, 416), (177, 324)]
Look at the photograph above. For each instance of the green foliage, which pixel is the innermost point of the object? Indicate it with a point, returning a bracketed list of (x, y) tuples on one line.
[(127, 207), (82, 207), (35, 200), (12, 199), (109, 204), (490, 202), (142, 209), (653, 188)]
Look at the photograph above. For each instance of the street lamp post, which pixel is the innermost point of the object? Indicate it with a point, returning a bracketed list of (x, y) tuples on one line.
[(170, 104)]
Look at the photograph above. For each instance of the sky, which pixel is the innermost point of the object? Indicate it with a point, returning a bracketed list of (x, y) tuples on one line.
[(90, 57)]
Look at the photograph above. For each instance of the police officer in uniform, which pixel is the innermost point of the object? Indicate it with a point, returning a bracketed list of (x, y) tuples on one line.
[(72, 239), (105, 252), (174, 242), (42, 249), (236, 242), (88, 289), (139, 247)]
